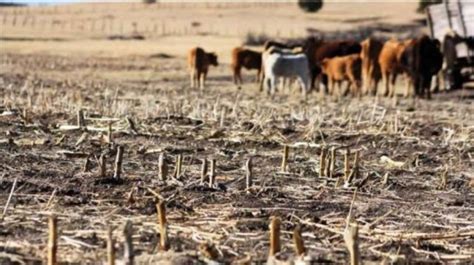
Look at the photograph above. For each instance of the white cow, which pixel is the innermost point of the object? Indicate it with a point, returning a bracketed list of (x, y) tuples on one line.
[(286, 66)]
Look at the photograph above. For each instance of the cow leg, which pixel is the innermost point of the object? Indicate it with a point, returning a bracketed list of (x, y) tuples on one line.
[(202, 79), (392, 85), (193, 78), (409, 86), (259, 75), (330, 86), (385, 79), (273, 87), (426, 83), (236, 71), (304, 82), (375, 85)]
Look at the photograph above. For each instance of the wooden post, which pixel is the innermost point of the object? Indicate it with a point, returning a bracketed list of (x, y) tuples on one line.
[(53, 240), (284, 160), (274, 236), (162, 168), (248, 169), (118, 162), (164, 245), (110, 247), (212, 173), (128, 254)]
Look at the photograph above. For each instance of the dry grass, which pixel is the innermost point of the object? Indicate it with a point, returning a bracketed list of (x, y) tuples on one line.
[(414, 173)]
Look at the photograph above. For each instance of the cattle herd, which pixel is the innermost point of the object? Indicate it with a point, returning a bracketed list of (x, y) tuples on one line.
[(324, 65)]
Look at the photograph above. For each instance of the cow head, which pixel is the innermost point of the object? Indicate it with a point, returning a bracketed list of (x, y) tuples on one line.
[(212, 58)]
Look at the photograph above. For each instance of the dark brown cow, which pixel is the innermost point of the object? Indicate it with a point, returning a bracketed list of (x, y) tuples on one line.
[(247, 59), (199, 62), (318, 50), (421, 60), (369, 54)]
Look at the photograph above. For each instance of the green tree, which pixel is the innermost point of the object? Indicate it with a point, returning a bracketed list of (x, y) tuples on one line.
[(310, 5)]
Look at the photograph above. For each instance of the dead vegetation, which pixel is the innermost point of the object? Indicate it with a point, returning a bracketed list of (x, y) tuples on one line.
[(154, 171)]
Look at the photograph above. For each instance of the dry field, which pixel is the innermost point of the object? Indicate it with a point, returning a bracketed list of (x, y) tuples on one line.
[(413, 184)]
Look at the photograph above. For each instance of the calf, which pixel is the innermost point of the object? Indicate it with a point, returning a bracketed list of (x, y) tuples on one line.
[(389, 61), (285, 65), (247, 59), (318, 50), (199, 62), (342, 68), (370, 51), (421, 59)]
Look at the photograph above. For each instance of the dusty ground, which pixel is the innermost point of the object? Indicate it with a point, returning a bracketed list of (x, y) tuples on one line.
[(404, 210)]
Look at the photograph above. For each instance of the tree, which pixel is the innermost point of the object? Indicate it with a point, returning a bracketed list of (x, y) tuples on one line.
[(310, 5), (423, 4)]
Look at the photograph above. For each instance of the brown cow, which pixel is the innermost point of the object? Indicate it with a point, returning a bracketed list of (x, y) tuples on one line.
[(318, 50), (370, 64), (421, 60), (199, 62), (389, 60), (247, 59), (342, 68)]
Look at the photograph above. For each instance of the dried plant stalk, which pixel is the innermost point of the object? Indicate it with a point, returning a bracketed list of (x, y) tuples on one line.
[(131, 125), (351, 238), (86, 166), (298, 241), (322, 162), (385, 179), (128, 254), (52, 240), (248, 169), (162, 168), (212, 173), (179, 161), (164, 244), (109, 134), (118, 162), (203, 171), (355, 169), (327, 165), (333, 162), (274, 236), (102, 166), (444, 179), (223, 114), (347, 170), (284, 160), (5, 209), (80, 119), (208, 250), (110, 247)]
